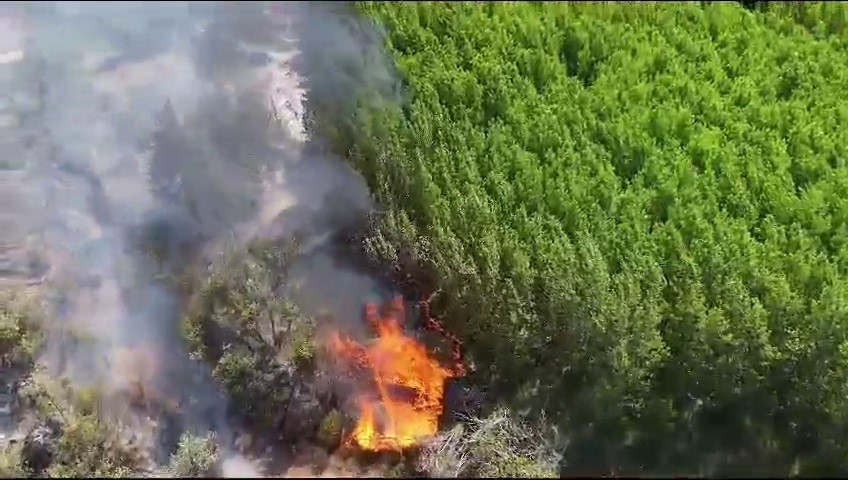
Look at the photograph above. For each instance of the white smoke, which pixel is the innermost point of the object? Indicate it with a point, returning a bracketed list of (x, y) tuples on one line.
[(174, 128), (236, 466)]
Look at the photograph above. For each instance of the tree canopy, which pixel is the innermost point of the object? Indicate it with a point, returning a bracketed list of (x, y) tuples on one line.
[(639, 212)]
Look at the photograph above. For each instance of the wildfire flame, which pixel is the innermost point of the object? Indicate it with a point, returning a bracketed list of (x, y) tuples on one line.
[(406, 404)]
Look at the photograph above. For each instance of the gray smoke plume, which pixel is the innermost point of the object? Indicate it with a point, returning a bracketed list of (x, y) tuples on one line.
[(153, 133)]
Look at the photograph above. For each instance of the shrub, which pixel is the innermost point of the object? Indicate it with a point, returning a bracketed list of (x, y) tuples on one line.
[(68, 437), (10, 461), (494, 446), (241, 300), (20, 336), (196, 456), (90, 447), (255, 392), (258, 343), (330, 430)]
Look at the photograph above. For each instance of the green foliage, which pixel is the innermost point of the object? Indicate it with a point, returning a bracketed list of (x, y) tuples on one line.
[(87, 400), (640, 212), (87, 444), (90, 447), (256, 339), (330, 430), (256, 393), (824, 20), (43, 394), (303, 350), (241, 295), (195, 457), (19, 331)]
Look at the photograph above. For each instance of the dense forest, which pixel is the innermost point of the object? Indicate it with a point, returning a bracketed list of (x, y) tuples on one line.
[(634, 214)]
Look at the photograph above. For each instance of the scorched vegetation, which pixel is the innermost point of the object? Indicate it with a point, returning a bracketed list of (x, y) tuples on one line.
[(634, 214)]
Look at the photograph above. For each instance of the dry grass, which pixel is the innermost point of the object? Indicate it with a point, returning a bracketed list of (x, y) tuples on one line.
[(495, 446), (10, 461)]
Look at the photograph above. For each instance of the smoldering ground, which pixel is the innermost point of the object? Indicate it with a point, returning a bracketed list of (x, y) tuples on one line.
[(154, 134)]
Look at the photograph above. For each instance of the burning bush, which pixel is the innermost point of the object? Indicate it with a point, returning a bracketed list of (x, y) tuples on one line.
[(404, 401)]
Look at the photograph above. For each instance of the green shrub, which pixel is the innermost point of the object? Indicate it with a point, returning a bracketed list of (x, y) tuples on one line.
[(20, 321), (68, 436), (255, 339), (330, 430), (91, 447), (10, 462), (240, 297), (196, 456), (88, 400), (303, 351), (255, 392), (640, 212)]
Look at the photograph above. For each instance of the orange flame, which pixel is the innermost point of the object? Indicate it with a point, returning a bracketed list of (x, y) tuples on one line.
[(407, 402)]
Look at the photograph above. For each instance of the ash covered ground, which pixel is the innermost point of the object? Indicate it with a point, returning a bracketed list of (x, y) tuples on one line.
[(139, 138)]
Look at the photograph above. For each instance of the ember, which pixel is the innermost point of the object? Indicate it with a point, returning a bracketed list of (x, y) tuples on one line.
[(409, 384)]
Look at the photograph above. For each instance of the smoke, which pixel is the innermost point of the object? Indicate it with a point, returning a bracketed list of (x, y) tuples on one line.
[(236, 466), (152, 134)]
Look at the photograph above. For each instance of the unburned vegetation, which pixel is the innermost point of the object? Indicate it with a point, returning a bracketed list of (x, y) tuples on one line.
[(261, 348), (634, 215)]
